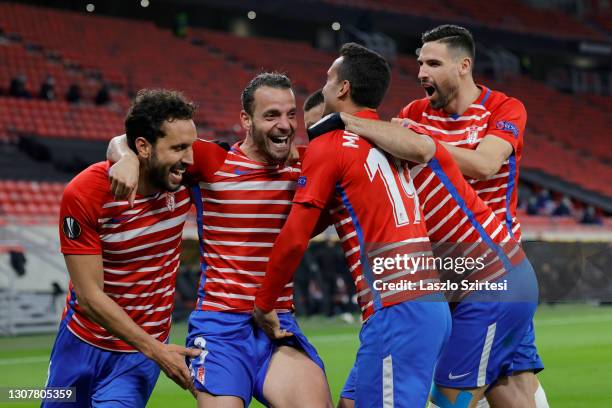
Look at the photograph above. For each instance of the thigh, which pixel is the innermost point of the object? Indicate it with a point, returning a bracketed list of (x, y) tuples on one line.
[(526, 357), (73, 364), (227, 364), (206, 400), (398, 353), (514, 391), (290, 371), (127, 380), (293, 379), (483, 341)]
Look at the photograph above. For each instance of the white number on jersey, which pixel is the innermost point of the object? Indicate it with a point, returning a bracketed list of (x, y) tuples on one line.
[(377, 163)]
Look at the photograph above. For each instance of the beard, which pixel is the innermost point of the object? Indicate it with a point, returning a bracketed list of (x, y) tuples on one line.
[(266, 146), (444, 94), (159, 174)]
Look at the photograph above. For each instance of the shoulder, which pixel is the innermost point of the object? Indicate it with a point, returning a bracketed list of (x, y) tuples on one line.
[(90, 183), (201, 146), (88, 191), (414, 109), (501, 101)]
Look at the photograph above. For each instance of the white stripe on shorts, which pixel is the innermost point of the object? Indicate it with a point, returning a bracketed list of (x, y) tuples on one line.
[(387, 382), (484, 357)]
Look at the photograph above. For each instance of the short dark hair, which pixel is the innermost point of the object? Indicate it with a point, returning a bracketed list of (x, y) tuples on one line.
[(314, 99), (271, 79), (368, 73), (454, 36), (150, 109)]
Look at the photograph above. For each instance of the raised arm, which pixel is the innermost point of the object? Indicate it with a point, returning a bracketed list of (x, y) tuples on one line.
[(483, 162), (124, 173), (401, 142), (505, 129)]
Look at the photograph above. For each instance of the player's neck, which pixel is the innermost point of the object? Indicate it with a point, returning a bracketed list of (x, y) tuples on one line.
[(250, 150), (145, 187), (351, 108), (467, 94)]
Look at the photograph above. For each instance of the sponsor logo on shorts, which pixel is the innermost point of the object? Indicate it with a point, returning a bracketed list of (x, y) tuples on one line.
[(200, 375), (456, 377)]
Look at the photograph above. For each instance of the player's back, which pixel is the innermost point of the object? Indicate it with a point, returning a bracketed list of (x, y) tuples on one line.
[(493, 113), (140, 250), (460, 225), (382, 207)]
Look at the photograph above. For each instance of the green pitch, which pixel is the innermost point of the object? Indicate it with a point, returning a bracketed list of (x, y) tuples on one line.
[(575, 342)]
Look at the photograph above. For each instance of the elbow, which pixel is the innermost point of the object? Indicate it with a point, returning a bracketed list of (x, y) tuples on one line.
[(86, 303), (485, 171), (426, 151)]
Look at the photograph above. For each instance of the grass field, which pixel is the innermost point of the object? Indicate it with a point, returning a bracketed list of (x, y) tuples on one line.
[(575, 342)]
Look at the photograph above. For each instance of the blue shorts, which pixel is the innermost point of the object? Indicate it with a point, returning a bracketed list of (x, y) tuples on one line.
[(102, 378), (526, 357), (236, 353), (399, 348), (487, 336)]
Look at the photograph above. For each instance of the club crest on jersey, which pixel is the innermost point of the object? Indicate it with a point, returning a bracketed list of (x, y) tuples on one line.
[(508, 127), (472, 134), (170, 202), (71, 228)]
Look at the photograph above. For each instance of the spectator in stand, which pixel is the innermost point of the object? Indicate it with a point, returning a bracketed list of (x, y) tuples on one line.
[(564, 209), (18, 87), (103, 95), (532, 206), (47, 89), (545, 203), (74, 94), (590, 216)]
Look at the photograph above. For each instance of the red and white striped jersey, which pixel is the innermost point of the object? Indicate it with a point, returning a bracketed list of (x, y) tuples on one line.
[(241, 207), (375, 211), (347, 234), (140, 250), (493, 113), (459, 223)]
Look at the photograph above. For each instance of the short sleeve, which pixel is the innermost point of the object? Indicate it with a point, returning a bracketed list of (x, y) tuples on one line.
[(78, 223), (321, 169), (508, 122), (207, 158)]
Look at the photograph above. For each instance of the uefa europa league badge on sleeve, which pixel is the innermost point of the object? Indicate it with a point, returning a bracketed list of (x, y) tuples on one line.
[(170, 202)]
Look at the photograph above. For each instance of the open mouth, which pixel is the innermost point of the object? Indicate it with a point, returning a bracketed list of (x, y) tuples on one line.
[(176, 174), (280, 140), (429, 89)]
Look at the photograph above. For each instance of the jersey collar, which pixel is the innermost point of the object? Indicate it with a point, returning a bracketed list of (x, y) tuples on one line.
[(485, 93)]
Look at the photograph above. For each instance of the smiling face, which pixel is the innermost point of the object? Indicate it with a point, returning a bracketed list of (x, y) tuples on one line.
[(171, 154), (271, 128), (440, 73)]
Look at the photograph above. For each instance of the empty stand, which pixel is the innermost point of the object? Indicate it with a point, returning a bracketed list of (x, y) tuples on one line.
[(213, 67)]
